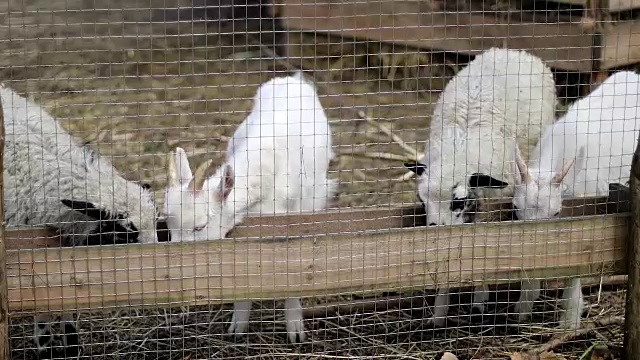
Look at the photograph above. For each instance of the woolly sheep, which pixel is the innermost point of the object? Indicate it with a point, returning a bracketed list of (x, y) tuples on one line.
[(52, 180), (590, 147), (277, 162), (501, 98)]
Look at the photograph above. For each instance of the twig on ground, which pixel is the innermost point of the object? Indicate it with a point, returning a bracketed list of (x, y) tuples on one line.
[(406, 177), (359, 174), (554, 343), (381, 155), (385, 130)]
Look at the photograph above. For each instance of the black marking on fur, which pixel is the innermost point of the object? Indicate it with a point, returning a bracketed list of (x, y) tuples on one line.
[(44, 338), (466, 206), (471, 208), (71, 340), (60, 346), (110, 229), (417, 167), (457, 204), (164, 235), (477, 180), (145, 186)]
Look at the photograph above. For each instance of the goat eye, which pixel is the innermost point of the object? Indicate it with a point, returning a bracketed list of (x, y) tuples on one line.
[(199, 228)]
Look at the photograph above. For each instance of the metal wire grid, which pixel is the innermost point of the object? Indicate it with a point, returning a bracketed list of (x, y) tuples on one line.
[(135, 85)]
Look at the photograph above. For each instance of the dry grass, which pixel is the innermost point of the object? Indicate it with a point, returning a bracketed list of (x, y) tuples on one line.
[(137, 89), (395, 330)]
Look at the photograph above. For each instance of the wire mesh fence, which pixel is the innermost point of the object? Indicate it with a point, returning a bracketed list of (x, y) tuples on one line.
[(395, 178)]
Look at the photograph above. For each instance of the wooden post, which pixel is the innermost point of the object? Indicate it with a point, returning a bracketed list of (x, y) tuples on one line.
[(632, 319), (4, 299)]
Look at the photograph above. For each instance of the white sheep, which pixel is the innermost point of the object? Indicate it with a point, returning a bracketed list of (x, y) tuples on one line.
[(598, 134), (277, 163), (52, 180), (501, 97)]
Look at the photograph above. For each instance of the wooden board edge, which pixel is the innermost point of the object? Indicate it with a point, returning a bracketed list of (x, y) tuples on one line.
[(620, 45), (219, 271), (342, 221), (564, 46)]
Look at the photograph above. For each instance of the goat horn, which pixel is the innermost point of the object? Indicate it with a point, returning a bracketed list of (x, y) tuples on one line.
[(203, 172), (173, 171), (557, 179)]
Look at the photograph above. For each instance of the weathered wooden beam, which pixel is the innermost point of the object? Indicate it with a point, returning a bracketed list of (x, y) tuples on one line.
[(612, 6), (344, 221), (361, 250), (4, 301), (229, 270), (564, 46), (621, 44), (632, 313)]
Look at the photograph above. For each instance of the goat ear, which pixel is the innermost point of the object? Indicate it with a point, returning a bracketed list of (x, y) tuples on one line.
[(417, 167), (178, 168), (477, 180), (86, 208), (183, 172), (226, 183), (521, 171)]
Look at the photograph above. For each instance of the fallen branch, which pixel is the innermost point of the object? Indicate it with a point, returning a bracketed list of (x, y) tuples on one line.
[(416, 156), (556, 342), (591, 283), (406, 177), (408, 301), (363, 305), (381, 155)]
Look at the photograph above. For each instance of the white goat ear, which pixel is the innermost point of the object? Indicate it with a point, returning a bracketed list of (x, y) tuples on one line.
[(182, 165), (226, 183), (521, 171)]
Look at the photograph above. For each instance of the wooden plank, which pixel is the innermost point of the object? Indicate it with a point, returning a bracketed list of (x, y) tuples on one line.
[(349, 220), (614, 5), (623, 5), (564, 46), (228, 270), (4, 300), (621, 45), (632, 308), (343, 221)]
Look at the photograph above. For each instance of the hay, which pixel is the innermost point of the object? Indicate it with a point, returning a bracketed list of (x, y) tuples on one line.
[(136, 89), (393, 331)]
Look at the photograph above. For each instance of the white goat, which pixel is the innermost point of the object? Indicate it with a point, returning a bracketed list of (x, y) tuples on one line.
[(277, 162), (501, 98), (52, 180), (598, 134)]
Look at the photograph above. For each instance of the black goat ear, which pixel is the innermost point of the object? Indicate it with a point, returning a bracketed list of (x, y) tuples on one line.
[(86, 208), (477, 180), (164, 235), (417, 167), (617, 187)]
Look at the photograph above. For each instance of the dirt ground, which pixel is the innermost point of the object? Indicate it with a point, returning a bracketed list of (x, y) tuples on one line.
[(136, 89)]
